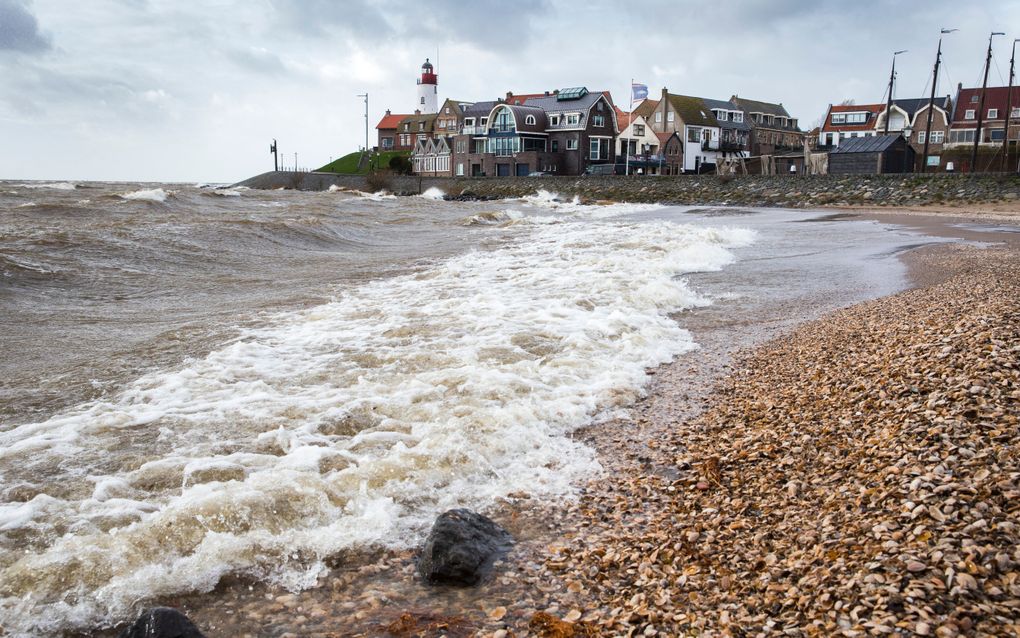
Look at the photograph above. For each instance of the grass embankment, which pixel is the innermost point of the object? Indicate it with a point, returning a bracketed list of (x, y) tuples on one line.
[(349, 164)]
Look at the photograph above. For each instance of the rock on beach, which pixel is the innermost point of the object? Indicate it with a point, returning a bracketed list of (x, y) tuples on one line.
[(162, 622), (461, 548)]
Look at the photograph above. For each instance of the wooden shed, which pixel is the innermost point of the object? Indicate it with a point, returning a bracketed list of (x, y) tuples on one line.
[(872, 155)]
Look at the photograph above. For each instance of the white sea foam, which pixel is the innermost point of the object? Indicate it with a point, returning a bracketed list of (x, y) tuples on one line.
[(378, 196), (58, 186), (226, 192), (354, 422), (434, 193), (26, 205), (546, 200), (150, 195)]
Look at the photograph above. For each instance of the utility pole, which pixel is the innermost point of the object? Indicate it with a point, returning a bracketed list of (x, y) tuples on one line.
[(931, 102), (295, 161), (365, 95), (892, 78), (1009, 109), (981, 104), (272, 149)]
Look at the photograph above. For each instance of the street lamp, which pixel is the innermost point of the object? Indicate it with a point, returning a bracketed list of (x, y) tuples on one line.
[(931, 102), (892, 78)]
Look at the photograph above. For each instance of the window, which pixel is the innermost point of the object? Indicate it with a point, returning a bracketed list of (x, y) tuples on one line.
[(423, 99), (447, 110), (530, 120), (658, 117), (554, 120), (599, 120), (599, 149), (485, 120), (555, 146), (1016, 112), (599, 106), (469, 121), (721, 116), (693, 134), (993, 114), (969, 114), (738, 117), (639, 130), (974, 99), (856, 118), (571, 144), (920, 137), (670, 116), (838, 118), (573, 119), (937, 136), (996, 134)]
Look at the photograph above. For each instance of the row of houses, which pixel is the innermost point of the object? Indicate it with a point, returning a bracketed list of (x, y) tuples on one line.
[(572, 131), (954, 124)]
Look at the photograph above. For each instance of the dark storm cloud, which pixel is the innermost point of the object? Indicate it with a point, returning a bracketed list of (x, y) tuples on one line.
[(19, 30)]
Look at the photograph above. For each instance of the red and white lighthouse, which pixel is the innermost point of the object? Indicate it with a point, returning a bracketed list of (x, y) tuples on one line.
[(428, 89)]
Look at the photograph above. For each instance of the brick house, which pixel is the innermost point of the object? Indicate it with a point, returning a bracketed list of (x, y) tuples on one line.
[(638, 143), (734, 131), (386, 131), (916, 113), (410, 129), (450, 117), (964, 122), (671, 155), (773, 129), (562, 132)]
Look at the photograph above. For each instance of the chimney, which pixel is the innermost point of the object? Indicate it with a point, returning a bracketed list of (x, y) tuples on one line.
[(547, 93), (556, 92), (509, 94), (387, 112)]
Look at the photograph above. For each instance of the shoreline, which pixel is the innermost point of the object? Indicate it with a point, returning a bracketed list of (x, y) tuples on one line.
[(371, 591)]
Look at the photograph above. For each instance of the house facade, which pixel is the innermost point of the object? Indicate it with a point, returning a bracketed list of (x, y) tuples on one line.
[(694, 122), (847, 121), (386, 132), (671, 153), (413, 128), (432, 157), (773, 129), (637, 145), (734, 131), (562, 132), (916, 110), (963, 128)]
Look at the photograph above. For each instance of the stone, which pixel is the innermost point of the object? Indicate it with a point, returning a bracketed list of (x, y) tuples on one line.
[(461, 548), (162, 622)]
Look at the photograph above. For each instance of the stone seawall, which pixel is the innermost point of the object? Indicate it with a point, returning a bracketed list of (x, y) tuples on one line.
[(752, 190)]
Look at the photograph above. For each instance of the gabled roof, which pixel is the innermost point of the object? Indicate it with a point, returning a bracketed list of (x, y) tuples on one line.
[(646, 108), (692, 110), (869, 125), (664, 136), (583, 105), (480, 109), (995, 98), (460, 105), (428, 119), (913, 105), (870, 144), (390, 121), (622, 117)]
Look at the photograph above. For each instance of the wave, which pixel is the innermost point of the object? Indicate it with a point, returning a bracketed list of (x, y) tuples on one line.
[(59, 186), (547, 200), (491, 218), (149, 195), (354, 422), (433, 193)]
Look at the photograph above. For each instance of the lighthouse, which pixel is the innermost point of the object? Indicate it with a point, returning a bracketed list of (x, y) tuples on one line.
[(428, 89)]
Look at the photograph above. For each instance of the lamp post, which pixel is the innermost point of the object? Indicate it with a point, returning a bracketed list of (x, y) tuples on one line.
[(981, 104), (365, 95), (1009, 109), (892, 78), (931, 102), (272, 149)]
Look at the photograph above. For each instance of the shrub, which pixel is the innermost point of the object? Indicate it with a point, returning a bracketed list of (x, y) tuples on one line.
[(379, 181), (400, 165)]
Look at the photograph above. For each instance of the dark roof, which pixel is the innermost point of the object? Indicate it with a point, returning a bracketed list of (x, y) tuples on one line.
[(913, 105), (756, 106), (522, 112), (726, 106), (480, 109), (646, 108), (872, 144), (692, 110), (550, 104)]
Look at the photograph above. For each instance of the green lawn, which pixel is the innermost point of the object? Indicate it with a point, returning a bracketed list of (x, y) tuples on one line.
[(348, 164)]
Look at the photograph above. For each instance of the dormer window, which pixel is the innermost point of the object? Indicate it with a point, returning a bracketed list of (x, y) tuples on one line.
[(530, 120), (573, 119), (993, 114), (485, 120), (738, 116), (554, 120), (469, 121)]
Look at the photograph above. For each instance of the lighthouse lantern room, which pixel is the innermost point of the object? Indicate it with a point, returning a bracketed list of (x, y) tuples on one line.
[(428, 89)]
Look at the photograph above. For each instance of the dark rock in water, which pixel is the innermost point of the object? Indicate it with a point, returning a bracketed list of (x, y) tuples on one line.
[(461, 548), (162, 622)]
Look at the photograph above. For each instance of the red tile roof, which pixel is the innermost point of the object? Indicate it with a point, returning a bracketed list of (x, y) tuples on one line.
[(622, 118), (995, 98), (390, 121), (874, 109), (521, 99)]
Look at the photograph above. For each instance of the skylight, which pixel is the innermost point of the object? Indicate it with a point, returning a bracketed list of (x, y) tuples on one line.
[(575, 93)]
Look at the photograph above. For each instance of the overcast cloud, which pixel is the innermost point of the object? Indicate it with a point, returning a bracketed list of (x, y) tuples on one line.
[(195, 91)]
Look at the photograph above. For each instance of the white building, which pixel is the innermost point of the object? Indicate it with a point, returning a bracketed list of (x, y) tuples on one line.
[(428, 89)]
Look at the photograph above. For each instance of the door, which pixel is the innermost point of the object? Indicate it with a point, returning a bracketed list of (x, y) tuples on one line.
[(502, 170), (522, 170)]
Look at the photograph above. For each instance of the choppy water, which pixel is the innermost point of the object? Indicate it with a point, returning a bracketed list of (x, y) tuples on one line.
[(197, 382)]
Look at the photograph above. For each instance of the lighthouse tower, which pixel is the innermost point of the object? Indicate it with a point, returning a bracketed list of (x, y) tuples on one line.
[(428, 89)]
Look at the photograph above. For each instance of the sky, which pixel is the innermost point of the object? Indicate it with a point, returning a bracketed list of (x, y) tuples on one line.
[(189, 91)]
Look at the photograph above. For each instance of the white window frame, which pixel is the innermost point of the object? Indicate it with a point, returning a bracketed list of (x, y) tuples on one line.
[(920, 137), (530, 119), (571, 144), (670, 116), (598, 120), (993, 114), (970, 114), (573, 119), (937, 137), (658, 117), (738, 117), (554, 120), (838, 118)]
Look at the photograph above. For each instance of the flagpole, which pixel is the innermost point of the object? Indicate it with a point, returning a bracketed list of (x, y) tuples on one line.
[(626, 142)]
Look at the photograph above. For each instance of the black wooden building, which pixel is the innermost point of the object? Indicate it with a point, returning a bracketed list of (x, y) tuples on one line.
[(872, 155)]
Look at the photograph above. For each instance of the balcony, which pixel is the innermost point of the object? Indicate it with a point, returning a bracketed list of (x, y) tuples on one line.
[(732, 147), (474, 130), (640, 159), (710, 145)]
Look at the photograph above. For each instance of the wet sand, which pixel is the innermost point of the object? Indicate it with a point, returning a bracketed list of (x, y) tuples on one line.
[(602, 561)]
